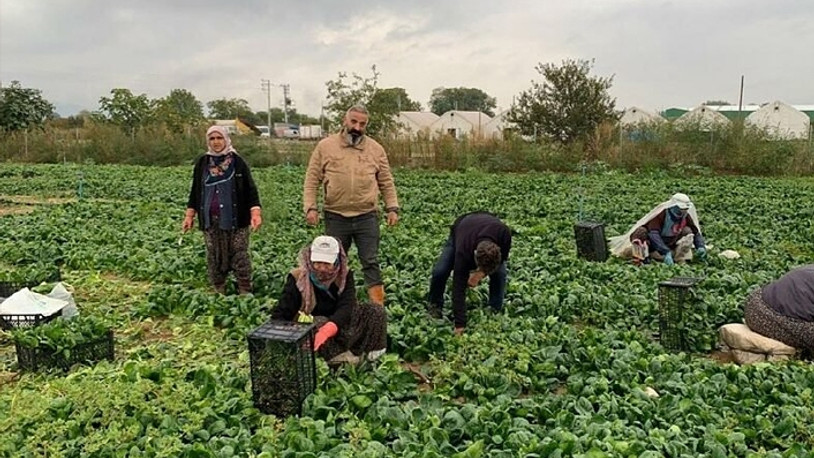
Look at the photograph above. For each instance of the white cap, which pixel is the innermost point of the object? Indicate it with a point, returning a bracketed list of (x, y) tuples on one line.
[(682, 200), (325, 249)]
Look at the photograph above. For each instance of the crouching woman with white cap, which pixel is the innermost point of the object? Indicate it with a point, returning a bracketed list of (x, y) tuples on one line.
[(321, 290), (660, 231)]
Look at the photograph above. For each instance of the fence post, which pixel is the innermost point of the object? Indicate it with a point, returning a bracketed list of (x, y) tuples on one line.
[(79, 185)]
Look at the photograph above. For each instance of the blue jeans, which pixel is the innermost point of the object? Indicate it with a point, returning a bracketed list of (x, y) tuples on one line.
[(443, 268)]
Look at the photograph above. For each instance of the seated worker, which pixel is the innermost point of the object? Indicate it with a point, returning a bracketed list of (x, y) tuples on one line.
[(784, 309), (663, 231), (478, 246), (321, 290)]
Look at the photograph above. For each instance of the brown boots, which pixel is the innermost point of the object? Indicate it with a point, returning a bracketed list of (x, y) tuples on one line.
[(243, 287), (376, 294)]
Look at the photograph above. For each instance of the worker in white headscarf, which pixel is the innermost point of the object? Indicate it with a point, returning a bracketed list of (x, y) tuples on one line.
[(671, 225)]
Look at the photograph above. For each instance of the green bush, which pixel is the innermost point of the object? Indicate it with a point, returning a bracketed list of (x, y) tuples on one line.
[(730, 149)]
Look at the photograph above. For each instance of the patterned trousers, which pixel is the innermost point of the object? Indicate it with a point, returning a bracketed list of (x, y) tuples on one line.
[(765, 321), (367, 332), (228, 251)]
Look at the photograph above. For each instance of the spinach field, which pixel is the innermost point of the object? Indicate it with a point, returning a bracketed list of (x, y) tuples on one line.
[(567, 369)]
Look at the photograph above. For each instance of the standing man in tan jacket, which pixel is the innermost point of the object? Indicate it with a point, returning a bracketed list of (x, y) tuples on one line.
[(353, 169)]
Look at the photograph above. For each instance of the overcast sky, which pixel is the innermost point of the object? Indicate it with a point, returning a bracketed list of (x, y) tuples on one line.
[(661, 53)]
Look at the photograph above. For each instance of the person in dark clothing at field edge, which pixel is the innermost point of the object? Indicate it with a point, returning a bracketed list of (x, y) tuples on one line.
[(784, 309), (478, 246), (225, 199)]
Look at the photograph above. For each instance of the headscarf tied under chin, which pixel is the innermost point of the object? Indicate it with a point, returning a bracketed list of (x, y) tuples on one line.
[(226, 149), (308, 278)]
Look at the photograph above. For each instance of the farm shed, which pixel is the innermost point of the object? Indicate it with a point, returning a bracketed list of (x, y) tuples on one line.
[(635, 115), (459, 124), (704, 117), (781, 121), (498, 125), (733, 112), (673, 113), (415, 122)]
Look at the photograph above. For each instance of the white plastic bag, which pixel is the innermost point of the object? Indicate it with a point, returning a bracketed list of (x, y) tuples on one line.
[(60, 292), (27, 302)]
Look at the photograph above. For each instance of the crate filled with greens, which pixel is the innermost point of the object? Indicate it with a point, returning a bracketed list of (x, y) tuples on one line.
[(677, 298), (283, 368), (590, 238), (27, 276), (62, 343), (28, 308)]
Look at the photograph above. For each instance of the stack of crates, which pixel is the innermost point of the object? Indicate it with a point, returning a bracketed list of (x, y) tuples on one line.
[(675, 296), (283, 366), (591, 244)]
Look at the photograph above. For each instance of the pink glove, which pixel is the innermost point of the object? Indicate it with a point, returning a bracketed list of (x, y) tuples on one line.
[(327, 331)]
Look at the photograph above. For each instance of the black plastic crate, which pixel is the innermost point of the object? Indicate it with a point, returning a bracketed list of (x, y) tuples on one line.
[(283, 366), (591, 244), (54, 276), (37, 359), (675, 295), (9, 322), (7, 288)]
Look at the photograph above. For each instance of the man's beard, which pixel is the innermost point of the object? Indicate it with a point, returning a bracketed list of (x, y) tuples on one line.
[(355, 136)]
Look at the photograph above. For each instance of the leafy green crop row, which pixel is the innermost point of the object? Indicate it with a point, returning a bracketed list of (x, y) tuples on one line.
[(567, 369)]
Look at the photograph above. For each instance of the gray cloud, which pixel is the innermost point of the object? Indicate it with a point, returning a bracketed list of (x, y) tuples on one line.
[(662, 53)]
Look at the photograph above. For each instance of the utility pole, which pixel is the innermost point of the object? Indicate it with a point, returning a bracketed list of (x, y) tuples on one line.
[(286, 88), (266, 84)]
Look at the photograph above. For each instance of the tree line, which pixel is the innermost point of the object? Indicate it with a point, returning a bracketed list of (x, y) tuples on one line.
[(567, 105)]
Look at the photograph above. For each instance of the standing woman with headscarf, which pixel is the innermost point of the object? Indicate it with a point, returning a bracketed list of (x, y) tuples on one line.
[(321, 290), (225, 199)]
